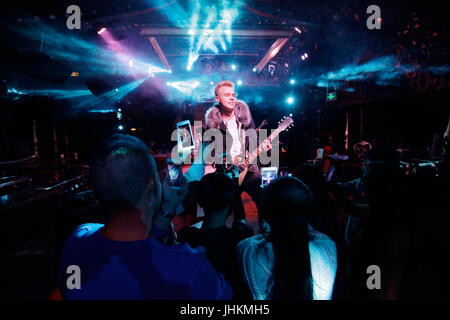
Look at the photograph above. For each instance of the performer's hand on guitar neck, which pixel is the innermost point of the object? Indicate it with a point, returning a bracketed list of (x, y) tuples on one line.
[(266, 145)]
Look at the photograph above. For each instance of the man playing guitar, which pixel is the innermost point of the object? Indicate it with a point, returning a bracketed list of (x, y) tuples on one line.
[(232, 117)]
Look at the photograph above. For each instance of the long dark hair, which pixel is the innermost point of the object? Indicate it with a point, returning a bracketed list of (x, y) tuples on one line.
[(286, 204)]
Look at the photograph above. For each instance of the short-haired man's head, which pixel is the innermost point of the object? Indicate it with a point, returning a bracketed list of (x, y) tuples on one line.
[(122, 167), (224, 83), (216, 191)]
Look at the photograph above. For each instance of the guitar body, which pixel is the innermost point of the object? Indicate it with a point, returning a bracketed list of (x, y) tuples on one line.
[(239, 167)]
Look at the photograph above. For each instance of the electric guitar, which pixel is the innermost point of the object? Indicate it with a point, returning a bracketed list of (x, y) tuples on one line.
[(241, 164)]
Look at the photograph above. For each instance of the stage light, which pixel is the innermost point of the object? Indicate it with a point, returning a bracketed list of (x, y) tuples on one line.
[(101, 30), (191, 32), (188, 68), (211, 83), (196, 84), (133, 129), (254, 69), (292, 81), (239, 82), (130, 63), (233, 67), (297, 29), (120, 127), (168, 83), (290, 100), (303, 58), (227, 32), (117, 90), (306, 55), (170, 71)]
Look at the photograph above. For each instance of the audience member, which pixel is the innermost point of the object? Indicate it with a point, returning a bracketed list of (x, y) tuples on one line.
[(292, 261), (383, 237), (216, 192), (325, 213), (121, 259)]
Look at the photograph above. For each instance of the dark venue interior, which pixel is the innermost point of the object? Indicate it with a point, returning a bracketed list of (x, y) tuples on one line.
[(367, 153)]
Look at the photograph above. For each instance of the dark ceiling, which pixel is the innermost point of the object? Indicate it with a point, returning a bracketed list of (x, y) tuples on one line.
[(39, 52)]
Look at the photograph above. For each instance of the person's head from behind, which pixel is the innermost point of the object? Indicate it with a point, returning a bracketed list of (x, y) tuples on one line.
[(216, 192), (124, 176), (287, 203)]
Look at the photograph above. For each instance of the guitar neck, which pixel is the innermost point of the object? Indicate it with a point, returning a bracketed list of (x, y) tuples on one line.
[(257, 151)]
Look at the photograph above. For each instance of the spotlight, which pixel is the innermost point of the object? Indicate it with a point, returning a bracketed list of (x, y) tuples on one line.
[(290, 100), (191, 32), (297, 29), (101, 30), (292, 81), (188, 68), (233, 67), (306, 55), (254, 69), (239, 82), (290, 114), (303, 57), (211, 83), (130, 63), (117, 90), (170, 71), (120, 127), (168, 83)]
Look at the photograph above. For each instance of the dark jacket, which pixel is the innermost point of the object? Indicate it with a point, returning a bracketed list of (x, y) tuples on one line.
[(213, 120)]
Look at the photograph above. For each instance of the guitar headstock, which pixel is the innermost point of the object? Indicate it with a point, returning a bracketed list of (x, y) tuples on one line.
[(286, 123)]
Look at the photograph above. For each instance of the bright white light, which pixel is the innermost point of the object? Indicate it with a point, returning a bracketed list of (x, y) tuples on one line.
[(196, 84), (188, 68), (233, 66), (290, 114), (298, 30), (120, 127), (211, 83), (292, 81), (191, 32), (303, 58), (170, 71), (306, 55), (101, 30), (227, 32), (130, 63), (209, 31), (117, 90), (168, 83), (254, 69), (239, 82), (290, 100)]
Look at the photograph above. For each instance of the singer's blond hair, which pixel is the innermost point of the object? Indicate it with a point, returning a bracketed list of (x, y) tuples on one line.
[(224, 83)]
